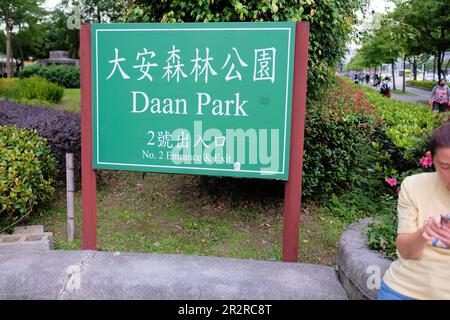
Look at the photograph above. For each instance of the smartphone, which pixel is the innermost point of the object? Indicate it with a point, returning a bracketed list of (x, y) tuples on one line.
[(445, 219)]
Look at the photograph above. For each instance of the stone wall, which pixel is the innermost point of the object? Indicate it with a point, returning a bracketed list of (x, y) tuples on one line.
[(360, 269)]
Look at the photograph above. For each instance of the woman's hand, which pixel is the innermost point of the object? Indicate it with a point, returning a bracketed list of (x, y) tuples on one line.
[(434, 229)]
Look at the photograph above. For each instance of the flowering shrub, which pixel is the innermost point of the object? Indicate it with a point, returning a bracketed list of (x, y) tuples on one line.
[(391, 181), (426, 161), (399, 149), (408, 123), (338, 133)]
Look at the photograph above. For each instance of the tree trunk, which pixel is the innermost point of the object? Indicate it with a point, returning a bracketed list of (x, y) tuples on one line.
[(404, 73), (393, 75), (439, 65), (9, 53), (424, 66), (19, 62), (414, 67), (434, 67), (445, 69), (99, 18)]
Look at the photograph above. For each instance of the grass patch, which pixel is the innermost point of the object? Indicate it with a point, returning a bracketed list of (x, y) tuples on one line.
[(422, 102), (406, 93), (8, 82), (163, 213), (31, 91), (422, 84), (70, 101)]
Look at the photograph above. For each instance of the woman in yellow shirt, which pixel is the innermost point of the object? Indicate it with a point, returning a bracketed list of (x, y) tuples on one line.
[(422, 270)]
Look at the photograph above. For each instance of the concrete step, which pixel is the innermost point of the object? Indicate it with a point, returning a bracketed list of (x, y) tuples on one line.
[(25, 239), (73, 274), (29, 230)]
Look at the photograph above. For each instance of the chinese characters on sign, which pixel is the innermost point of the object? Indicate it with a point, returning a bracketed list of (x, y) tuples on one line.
[(264, 66)]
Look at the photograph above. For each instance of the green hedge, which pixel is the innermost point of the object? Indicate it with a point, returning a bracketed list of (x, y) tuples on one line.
[(62, 75), (409, 125), (27, 172), (423, 84), (408, 128), (354, 140), (337, 148)]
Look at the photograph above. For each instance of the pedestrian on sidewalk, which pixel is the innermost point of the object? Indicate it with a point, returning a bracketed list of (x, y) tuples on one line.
[(376, 80), (361, 77), (385, 88), (440, 96), (367, 77)]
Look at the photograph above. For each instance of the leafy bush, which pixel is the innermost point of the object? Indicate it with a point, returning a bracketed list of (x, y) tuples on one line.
[(34, 90), (60, 128), (409, 127), (27, 171), (38, 88), (31, 70), (424, 84), (399, 147), (337, 147), (382, 236), (354, 140), (63, 75), (354, 137)]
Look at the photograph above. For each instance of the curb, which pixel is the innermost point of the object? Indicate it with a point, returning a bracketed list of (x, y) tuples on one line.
[(360, 269)]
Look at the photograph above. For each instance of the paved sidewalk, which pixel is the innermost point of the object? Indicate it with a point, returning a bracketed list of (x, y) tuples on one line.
[(58, 274), (419, 95)]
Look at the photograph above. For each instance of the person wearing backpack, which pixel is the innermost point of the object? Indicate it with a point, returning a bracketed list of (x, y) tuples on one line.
[(440, 96), (376, 80), (385, 88)]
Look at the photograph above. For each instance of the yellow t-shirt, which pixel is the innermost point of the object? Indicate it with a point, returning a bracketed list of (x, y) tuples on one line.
[(421, 196)]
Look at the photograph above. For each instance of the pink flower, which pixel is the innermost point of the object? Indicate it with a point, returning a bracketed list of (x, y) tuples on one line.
[(391, 181), (426, 162)]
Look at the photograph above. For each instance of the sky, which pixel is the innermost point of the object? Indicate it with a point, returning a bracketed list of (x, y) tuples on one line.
[(49, 4), (378, 5)]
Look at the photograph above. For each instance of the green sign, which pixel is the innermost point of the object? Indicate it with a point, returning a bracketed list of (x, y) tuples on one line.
[(212, 99)]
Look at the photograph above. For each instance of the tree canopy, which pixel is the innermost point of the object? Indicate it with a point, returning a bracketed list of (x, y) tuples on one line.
[(18, 14), (415, 30)]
